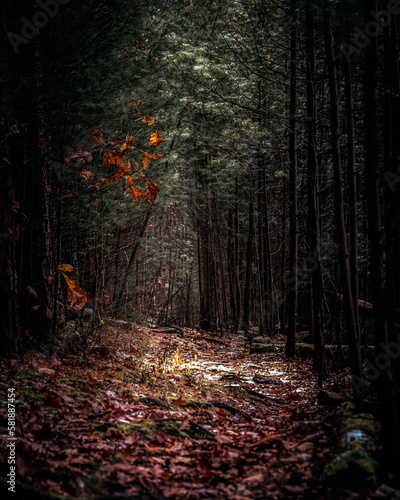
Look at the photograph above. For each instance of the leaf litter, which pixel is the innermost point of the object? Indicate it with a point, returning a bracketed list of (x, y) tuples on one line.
[(149, 413)]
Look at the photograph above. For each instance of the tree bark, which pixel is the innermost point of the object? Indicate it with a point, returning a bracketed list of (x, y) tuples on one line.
[(312, 188), (249, 261), (293, 236), (352, 330)]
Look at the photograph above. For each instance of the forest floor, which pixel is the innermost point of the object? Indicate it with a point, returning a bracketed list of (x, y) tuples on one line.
[(147, 413)]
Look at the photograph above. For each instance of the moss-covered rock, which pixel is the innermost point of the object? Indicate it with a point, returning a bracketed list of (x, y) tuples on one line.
[(354, 469)]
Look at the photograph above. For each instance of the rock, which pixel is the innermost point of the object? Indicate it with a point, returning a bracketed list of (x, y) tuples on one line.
[(353, 469)]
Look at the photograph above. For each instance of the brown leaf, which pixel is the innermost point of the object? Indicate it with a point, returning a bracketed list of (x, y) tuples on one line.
[(48, 372), (180, 401), (53, 399), (273, 438)]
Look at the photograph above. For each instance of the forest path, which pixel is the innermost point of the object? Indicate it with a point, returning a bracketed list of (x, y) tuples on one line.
[(149, 414)]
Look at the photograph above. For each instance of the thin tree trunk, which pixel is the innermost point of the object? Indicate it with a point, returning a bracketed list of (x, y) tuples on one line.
[(261, 250), (293, 250), (204, 274), (312, 219), (352, 330), (352, 179), (236, 256), (268, 281), (132, 258), (249, 260)]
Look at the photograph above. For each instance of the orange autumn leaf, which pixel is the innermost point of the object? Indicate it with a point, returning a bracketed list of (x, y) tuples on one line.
[(155, 139), (112, 158), (130, 180), (117, 176), (154, 156), (137, 103), (150, 120), (136, 194), (128, 144), (65, 268), (76, 295)]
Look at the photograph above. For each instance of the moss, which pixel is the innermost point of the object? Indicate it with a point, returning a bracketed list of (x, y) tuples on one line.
[(362, 421), (152, 401), (80, 394), (352, 469), (28, 395), (171, 427), (128, 429)]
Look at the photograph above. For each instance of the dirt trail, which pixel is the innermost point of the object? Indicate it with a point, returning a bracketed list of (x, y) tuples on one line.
[(149, 414)]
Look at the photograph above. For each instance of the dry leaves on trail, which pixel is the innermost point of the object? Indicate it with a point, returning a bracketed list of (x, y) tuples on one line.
[(118, 421)]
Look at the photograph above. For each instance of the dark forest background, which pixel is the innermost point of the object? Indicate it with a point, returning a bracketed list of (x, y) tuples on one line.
[(231, 166)]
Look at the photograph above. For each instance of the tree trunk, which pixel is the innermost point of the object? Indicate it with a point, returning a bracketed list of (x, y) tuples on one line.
[(352, 330), (312, 219), (293, 245), (249, 261), (352, 179), (132, 258)]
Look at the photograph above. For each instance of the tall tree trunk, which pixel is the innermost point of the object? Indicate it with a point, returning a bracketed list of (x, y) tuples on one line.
[(28, 247), (261, 250), (237, 268), (312, 178), (204, 273), (293, 250), (352, 330), (282, 308), (352, 179), (249, 261), (231, 266), (268, 281)]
